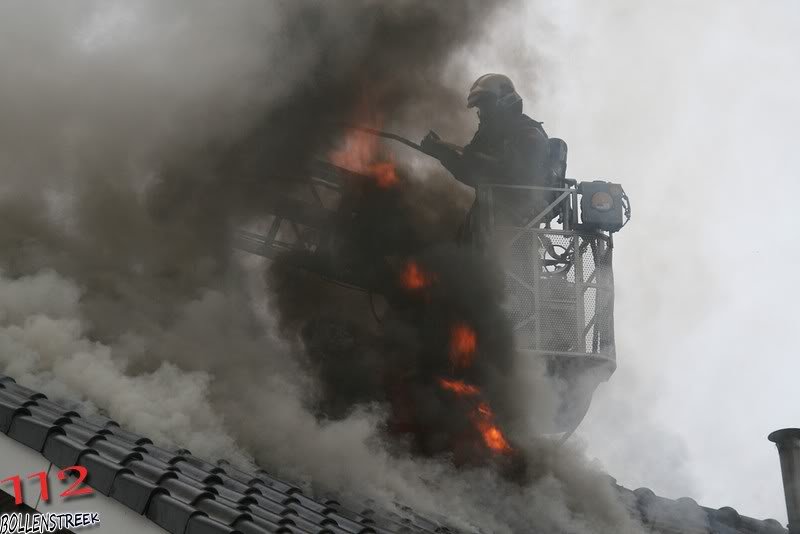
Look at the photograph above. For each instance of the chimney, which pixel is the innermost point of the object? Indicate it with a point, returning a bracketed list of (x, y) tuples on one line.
[(788, 442)]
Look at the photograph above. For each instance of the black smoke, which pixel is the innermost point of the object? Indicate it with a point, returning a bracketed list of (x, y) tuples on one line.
[(157, 183), (397, 356), (394, 68)]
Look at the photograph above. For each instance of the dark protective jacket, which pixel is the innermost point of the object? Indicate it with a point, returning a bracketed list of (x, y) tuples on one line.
[(513, 152)]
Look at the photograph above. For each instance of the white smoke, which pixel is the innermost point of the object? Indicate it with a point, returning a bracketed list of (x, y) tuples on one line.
[(43, 344), (240, 413)]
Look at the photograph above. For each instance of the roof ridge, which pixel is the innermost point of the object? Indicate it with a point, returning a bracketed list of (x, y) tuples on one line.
[(174, 488)]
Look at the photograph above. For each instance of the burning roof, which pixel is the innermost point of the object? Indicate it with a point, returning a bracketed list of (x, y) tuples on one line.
[(183, 493)]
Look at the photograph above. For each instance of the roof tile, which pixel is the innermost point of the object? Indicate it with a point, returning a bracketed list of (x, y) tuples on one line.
[(197, 474), (423, 523), (115, 452), (47, 404), (200, 463), (89, 425), (259, 511), (134, 492), (341, 530), (305, 525), (14, 388), (236, 473), (162, 454), (30, 431), (273, 494), (259, 525), (170, 514), (187, 493), (80, 433), (8, 412), (199, 524), (233, 484), (149, 472), (269, 505), (128, 436), (153, 461), (265, 479), (660, 512), (234, 496), (390, 524), (221, 512), (15, 399), (101, 471), (311, 504), (46, 413), (100, 420), (333, 507), (64, 451), (349, 525), (309, 515)]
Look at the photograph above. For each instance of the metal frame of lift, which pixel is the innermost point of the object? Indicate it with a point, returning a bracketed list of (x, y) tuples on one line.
[(307, 222), (303, 225), (598, 349)]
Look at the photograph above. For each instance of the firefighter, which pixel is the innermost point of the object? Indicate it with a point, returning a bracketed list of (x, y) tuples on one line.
[(509, 147)]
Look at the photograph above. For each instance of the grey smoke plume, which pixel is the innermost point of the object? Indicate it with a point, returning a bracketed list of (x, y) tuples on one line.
[(684, 125), (132, 137)]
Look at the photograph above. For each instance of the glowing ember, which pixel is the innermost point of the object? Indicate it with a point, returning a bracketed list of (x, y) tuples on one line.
[(413, 277), (482, 416), (458, 387), (492, 436), (463, 342), (359, 153), (384, 173)]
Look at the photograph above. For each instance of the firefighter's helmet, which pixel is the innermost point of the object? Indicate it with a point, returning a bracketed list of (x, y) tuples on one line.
[(496, 90)]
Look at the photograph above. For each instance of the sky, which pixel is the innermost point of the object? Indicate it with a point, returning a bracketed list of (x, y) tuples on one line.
[(692, 106)]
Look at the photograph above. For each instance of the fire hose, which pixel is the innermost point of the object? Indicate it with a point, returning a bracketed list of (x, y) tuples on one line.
[(626, 203), (394, 137)]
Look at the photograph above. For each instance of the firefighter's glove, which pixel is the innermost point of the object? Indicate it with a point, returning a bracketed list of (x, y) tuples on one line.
[(432, 144)]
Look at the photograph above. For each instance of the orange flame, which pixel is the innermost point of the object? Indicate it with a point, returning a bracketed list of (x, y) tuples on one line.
[(463, 342), (482, 416), (413, 277), (458, 387), (492, 436), (360, 153), (384, 172)]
